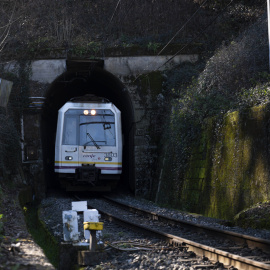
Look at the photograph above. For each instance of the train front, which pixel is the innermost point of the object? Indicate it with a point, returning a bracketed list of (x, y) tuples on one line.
[(88, 148)]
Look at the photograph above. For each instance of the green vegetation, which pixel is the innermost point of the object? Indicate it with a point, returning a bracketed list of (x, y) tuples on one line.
[(153, 46), (41, 235), (212, 159), (205, 107), (121, 234), (1, 225), (79, 28), (257, 216)]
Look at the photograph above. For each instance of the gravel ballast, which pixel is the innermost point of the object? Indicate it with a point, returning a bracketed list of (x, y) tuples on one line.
[(159, 256)]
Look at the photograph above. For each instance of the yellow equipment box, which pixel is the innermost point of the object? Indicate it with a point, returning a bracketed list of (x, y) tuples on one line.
[(97, 226)]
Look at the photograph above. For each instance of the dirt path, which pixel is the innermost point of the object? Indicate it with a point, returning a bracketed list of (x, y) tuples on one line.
[(17, 248)]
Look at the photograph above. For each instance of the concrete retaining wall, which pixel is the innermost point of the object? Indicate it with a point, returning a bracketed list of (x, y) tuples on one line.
[(229, 168)]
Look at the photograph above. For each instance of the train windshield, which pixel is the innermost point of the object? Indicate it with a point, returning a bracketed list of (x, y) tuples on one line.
[(89, 130)]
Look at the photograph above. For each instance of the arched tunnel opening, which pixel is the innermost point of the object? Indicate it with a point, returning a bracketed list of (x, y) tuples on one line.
[(76, 83)]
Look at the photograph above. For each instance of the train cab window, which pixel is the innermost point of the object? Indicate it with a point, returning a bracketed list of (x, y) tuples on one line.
[(70, 130), (98, 129)]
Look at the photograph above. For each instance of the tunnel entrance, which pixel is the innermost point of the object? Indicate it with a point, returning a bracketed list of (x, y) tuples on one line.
[(81, 78)]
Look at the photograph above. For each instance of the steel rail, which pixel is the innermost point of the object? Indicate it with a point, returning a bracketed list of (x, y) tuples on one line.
[(212, 254), (250, 241)]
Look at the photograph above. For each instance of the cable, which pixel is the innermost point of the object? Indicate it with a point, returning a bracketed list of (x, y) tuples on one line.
[(177, 33), (114, 11), (7, 30), (182, 27), (128, 10), (202, 32), (188, 42), (195, 37)]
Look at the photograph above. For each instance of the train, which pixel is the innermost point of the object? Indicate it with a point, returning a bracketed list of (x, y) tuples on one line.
[(88, 145)]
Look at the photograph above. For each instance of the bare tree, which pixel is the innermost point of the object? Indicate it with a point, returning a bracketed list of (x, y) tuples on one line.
[(5, 29)]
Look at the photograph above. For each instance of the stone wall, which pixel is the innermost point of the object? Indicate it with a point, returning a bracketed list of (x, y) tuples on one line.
[(229, 168), (143, 91)]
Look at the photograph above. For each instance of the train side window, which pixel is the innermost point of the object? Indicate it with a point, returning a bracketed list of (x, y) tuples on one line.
[(70, 130)]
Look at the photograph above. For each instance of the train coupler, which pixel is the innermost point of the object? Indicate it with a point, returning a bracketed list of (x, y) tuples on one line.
[(88, 173)]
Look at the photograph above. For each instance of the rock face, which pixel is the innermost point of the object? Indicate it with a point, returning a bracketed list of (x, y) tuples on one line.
[(228, 169), (257, 216)]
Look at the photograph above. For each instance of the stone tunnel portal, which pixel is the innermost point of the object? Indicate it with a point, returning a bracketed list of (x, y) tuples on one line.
[(75, 83)]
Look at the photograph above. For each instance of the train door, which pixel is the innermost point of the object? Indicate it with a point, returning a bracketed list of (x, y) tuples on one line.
[(70, 151)]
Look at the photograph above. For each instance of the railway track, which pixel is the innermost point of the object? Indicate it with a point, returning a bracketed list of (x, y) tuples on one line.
[(232, 250), (240, 239)]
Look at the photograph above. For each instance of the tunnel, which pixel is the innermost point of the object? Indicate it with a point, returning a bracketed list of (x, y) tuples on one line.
[(81, 78)]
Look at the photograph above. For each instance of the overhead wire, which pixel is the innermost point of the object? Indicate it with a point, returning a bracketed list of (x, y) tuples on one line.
[(113, 15), (131, 3), (202, 32), (115, 11), (108, 25), (182, 27)]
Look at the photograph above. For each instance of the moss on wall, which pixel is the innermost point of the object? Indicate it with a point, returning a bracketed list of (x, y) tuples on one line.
[(228, 169)]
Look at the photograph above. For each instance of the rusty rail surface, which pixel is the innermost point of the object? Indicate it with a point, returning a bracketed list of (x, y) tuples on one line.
[(213, 254), (250, 241)]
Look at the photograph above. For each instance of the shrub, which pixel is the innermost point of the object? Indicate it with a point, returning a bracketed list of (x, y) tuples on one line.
[(236, 76)]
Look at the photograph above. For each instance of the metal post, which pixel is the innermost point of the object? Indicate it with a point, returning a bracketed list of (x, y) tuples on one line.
[(92, 241), (22, 139)]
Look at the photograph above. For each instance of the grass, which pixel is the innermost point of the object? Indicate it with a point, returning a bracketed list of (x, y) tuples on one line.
[(41, 236)]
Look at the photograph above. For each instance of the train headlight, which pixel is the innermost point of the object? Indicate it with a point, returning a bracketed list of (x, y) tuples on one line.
[(108, 159), (85, 112), (68, 158), (93, 112)]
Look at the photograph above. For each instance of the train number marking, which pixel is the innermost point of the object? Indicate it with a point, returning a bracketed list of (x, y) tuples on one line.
[(110, 155)]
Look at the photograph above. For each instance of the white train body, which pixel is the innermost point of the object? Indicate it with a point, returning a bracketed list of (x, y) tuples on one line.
[(88, 146)]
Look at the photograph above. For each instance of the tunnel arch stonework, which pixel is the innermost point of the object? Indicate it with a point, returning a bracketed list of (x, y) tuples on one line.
[(80, 82), (63, 80)]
